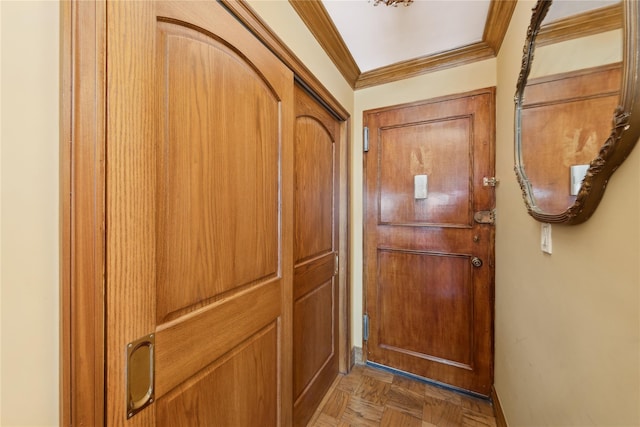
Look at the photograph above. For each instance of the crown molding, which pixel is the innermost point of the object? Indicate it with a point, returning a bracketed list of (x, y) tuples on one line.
[(426, 64), (498, 19), (317, 20), (581, 25)]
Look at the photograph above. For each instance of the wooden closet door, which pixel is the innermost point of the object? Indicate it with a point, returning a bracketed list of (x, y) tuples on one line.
[(315, 307), (199, 219)]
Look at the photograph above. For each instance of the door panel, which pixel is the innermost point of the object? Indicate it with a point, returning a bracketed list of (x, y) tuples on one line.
[(182, 353), (315, 307), (440, 148), (566, 112), (429, 280), (202, 178), (238, 390), (314, 196), (199, 215), (430, 310), (314, 342)]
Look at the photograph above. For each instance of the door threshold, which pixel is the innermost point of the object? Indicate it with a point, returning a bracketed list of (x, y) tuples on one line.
[(428, 381)]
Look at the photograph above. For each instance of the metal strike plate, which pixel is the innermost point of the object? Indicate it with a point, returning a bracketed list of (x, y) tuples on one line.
[(140, 374), (485, 217), (489, 181)]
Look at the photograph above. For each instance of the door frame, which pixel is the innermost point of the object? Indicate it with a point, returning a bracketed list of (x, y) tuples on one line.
[(82, 200)]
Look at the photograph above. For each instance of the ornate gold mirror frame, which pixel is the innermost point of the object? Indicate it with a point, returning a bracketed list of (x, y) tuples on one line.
[(625, 128)]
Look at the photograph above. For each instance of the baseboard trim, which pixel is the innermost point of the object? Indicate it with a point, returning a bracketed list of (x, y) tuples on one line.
[(356, 356), (501, 421)]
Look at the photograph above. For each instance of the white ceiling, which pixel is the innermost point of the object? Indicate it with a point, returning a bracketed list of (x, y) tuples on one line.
[(378, 36), (564, 8), (381, 35)]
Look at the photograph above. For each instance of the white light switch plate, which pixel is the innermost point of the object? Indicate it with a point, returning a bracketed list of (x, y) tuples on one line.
[(420, 187), (578, 172), (545, 238)]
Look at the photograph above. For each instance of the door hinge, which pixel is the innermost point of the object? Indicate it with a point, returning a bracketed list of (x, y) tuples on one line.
[(490, 181), (365, 137), (485, 217), (365, 327), (336, 265)]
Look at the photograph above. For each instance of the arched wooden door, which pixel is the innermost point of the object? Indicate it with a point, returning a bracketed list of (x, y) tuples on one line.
[(199, 243), (315, 292)]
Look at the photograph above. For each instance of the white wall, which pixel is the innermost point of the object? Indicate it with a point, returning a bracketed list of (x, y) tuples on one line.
[(567, 324), (29, 213)]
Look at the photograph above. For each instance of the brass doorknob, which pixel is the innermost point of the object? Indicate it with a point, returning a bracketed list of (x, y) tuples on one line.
[(477, 262)]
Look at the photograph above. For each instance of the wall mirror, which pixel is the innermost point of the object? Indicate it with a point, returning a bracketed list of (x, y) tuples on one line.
[(576, 102)]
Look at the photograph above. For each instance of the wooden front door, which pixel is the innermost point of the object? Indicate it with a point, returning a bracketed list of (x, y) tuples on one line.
[(430, 308), (315, 291), (199, 243)]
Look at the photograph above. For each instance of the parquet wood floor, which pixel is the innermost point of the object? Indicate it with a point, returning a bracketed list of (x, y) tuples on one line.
[(372, 397)]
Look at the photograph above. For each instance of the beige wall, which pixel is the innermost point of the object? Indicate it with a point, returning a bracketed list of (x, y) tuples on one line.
[(286, 23), (567, 324), (29, 213), (456, 80), (602, 48)]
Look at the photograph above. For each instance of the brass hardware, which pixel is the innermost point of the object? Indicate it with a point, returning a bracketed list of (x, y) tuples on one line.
[(490, 181), (476, 238), (485, 217), (140, 374), (336, 265), (477, 262)]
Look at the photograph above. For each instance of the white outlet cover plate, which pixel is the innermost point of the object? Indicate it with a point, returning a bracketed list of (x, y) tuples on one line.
[(545, 238)]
